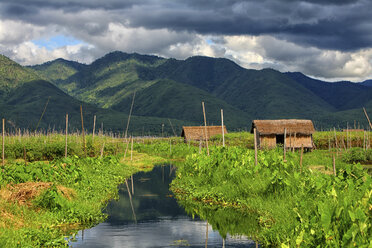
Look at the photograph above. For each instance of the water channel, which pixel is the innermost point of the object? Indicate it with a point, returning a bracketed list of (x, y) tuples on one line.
[(153, 218)]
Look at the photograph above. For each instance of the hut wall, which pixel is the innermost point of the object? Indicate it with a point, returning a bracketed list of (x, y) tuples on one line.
[(299, 140), (267, 141)]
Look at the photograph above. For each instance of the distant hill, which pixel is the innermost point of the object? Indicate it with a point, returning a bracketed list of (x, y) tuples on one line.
[(367, 83), (25, 96), (342, 95), (171, 88), (13, 75)]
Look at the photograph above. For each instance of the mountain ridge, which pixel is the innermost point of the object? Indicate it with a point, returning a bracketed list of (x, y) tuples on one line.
[(171, 88)]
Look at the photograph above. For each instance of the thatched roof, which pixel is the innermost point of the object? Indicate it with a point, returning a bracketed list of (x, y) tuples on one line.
[(197, 132), (266, 127)]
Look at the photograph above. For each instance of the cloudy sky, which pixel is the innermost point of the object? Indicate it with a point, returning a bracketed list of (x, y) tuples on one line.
[(327, 39)]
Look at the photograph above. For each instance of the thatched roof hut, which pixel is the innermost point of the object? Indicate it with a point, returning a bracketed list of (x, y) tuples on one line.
[(271, 132), (197, 132)]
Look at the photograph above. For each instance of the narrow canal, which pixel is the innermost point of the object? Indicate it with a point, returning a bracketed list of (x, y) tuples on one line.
[(153, 218)]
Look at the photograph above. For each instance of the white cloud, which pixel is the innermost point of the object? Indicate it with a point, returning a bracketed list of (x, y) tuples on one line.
[(103, 31)]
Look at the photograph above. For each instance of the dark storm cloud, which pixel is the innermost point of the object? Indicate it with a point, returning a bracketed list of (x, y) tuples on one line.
[(331, 24)]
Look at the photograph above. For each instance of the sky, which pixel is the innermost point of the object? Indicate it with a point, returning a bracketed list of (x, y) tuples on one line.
[(326, 39)]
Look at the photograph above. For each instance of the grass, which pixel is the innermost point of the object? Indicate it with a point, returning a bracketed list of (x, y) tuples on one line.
[(43, 203), (292, 208)]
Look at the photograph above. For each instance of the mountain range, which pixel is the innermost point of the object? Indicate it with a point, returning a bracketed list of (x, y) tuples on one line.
[(172, 89)]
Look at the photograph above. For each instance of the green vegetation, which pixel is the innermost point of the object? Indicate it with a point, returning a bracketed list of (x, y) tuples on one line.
[(42, 203), (13, 75), (278, 203), (304, 208), (174, 89)]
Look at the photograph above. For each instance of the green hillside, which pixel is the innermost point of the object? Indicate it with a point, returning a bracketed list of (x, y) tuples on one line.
[(167, 98), (24, 96), (173, 88), (24, 106), (12, 75), (58, 70)]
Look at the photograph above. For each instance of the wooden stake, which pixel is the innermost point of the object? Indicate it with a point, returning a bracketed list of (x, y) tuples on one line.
[(3, 152), (103, 147), (126, 149), (334, 129), (82, 128), (42, 114), (206, 236), (94, 127), (174, 133), (131, 150), (130, 114), (302, 153), (294, 142), (347, 136), (131, 160), (205, 128), (255, 146), (131, 203), (369, 122), (284, 147), (223, 130), (66, 135)]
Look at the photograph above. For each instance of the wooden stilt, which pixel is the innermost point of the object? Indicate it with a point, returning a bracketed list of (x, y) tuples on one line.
[(255, 146), (223, 130), (205, 128)]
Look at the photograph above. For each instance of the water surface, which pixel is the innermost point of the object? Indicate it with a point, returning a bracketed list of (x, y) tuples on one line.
[(153, 218)]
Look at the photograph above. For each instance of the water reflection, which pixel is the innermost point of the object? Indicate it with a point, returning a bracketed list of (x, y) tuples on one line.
[(226, 220), (161, 222)]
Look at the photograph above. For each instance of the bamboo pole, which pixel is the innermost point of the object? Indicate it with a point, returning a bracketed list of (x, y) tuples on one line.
[(301, 156), (223, 130), (347, 136), (284, 145), (126, 149), (66, 135), (206, 236), (255, 146), (131, 203), (205, 128), (3, 141), (174, 132), (336, 143), (102, 148), (82, 128), (42, 114), (131, 160), (94, 127), (130, 114), (369, 122)]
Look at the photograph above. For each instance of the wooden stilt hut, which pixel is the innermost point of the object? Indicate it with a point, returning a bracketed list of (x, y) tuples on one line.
[(197, 132), (271, 133)]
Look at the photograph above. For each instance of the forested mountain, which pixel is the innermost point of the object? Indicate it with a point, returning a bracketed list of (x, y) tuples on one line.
[(170, 88)]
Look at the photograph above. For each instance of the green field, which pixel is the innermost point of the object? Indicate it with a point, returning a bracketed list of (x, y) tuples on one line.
[(45, 197)]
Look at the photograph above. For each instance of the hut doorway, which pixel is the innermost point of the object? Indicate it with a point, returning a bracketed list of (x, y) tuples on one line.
[(280, 139)]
